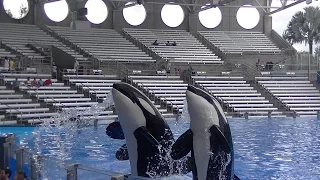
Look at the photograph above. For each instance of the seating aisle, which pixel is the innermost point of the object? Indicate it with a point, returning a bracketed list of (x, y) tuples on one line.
[(168, 91), (97, 86), (17, 36)]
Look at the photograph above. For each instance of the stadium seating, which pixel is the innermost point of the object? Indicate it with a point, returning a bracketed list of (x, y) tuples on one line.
[(4, 53), (296, 92), (17, 36), (238, 42), (237, 95), (98, 86), (105, 44), (15, 107), (187, 50), (44, 102), (170, 90)]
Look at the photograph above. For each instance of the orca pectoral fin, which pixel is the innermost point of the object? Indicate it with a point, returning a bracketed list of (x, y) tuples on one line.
[(122, 153), (182, 146), (114, 131), (219, 138), (143, 134), (235, 177)]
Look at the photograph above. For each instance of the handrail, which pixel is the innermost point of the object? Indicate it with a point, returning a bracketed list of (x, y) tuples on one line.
[(16, 49), (273, 32), (86, 50), (46, 98), (89, 90), (64, 40), (16, 109)]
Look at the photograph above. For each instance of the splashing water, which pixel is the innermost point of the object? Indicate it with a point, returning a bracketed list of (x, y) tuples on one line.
[(55, 137), (223, 159)]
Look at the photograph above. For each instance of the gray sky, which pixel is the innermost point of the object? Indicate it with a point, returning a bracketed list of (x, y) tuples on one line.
[(281, 19)]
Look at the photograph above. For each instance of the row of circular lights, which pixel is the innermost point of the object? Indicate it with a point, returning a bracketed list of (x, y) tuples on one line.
[(172, 15)]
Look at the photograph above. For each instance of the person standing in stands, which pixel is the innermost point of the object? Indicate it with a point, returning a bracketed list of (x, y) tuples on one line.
[(168, 43), (258, 65), (76, 66), (16, 84), (11, 65), (174, 43), (18, 64), (168, 66), (6, 63), (54, 70)]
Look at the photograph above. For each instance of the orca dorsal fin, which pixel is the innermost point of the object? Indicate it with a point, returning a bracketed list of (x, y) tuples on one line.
[(218, 138), (183, 145), (142, 133), (114, 131), (122, 153)]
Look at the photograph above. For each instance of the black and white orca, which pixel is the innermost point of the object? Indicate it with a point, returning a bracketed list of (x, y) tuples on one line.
[(209, 138), (148, 136)]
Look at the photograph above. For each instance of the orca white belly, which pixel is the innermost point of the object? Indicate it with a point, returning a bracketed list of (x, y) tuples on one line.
[(201, 148)]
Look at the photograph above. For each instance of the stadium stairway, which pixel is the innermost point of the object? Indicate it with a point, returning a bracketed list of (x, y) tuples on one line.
[(5, 53), (167, 92), (96, 86), (29, 41), (107, 46)]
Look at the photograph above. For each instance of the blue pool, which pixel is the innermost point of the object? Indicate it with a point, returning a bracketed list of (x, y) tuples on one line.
[(279, 148)]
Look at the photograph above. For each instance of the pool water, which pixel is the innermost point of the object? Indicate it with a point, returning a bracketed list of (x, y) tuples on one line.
[(278, 148)]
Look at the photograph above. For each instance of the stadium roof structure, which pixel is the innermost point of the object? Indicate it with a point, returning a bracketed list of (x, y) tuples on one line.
[(200, 5)]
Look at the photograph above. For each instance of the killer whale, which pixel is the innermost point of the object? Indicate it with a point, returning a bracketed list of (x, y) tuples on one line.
[(209, 138), (148, 136)]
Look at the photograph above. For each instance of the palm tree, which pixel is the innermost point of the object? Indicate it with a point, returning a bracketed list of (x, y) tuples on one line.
[(304, 27)]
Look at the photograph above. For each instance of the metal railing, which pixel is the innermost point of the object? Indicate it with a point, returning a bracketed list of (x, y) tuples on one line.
[(16, 109), (89, 89), (20, 158), (77, 49)]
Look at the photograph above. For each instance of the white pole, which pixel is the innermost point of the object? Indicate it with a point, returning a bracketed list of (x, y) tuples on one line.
[(309, 67)]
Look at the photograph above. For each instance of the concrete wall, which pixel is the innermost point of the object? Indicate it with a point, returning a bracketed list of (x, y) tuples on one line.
[(115, 18)]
